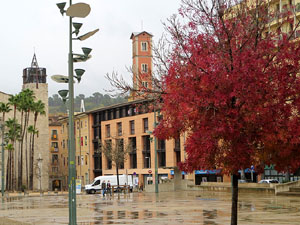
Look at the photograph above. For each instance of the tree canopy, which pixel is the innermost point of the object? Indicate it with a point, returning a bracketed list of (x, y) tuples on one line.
[(233, 85)]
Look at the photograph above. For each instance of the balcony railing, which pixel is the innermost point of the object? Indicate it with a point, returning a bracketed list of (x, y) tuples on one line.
[(53, 149)]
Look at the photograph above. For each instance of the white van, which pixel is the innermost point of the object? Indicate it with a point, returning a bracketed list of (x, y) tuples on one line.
[(96, 185)]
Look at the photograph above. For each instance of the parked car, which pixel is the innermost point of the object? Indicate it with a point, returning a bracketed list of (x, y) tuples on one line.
[(268, 181), (245, 181), (242, 181)]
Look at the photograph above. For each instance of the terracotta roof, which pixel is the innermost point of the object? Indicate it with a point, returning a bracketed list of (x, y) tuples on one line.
[(134, 34)]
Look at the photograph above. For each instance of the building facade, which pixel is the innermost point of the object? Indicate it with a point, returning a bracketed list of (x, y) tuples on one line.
[(82, 144), (132, 123), (56, 176)]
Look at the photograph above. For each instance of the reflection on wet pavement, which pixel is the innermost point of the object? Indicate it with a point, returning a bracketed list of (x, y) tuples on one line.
[(207, 208)]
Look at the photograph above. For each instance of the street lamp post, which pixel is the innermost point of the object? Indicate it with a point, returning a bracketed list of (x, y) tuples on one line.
[(155, 152), (80, 10)]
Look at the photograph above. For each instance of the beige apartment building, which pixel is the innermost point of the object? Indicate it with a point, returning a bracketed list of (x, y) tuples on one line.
[(82, 144), (56, 175)]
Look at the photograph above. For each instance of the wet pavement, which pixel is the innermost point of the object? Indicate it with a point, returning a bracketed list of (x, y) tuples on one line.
[(194, 207)]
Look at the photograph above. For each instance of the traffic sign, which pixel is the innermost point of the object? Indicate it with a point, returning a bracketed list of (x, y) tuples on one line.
[(149, 171)]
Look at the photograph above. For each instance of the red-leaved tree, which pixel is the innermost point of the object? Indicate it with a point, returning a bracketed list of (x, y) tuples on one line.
[(232, 84)]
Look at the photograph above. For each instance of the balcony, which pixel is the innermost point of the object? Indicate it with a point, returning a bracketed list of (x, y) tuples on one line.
[(53, 149), (54, 137)]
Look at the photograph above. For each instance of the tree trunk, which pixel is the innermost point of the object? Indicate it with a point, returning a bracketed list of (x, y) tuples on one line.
[(13, 180), (20, 158), (26, 151), (31, 164), (23, 129), (234, 199), (26, 158), (14, 156), (32, 155), (18, 168), (8, 172), (117, 169)]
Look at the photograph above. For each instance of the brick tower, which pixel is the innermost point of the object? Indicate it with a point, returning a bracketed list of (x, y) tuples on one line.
[(141, 62)]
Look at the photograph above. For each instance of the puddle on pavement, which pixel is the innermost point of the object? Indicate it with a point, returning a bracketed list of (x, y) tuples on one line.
[(166, 208)]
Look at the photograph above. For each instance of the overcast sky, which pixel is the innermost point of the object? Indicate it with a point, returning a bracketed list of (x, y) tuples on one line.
[(37, 25)]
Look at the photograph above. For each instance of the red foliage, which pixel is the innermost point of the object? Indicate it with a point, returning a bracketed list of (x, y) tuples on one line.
[(234, 89)]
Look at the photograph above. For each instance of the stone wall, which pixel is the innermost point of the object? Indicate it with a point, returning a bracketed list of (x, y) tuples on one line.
[(42, 141), (286, 186)]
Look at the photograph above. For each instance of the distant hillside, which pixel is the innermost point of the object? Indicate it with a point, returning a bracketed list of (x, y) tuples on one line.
[(56, 105)]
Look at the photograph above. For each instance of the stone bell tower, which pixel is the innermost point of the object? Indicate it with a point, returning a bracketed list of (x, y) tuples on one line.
[(34, 78)]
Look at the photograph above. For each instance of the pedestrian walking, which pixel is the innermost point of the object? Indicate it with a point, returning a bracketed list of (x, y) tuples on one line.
[(103, 187), (108, 187), (141, 187)]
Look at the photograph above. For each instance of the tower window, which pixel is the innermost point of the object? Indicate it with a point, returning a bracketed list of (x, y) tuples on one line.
[(144, 68), (145, 84), (144, 46)]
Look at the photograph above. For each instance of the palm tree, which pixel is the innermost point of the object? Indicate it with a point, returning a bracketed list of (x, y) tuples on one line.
[(32, 131), (4, 108), (12, 134), (14, 101), (26, 98), (9, 172), (38, 109)]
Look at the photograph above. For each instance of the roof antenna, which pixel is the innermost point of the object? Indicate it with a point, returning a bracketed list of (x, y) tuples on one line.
[(142, 25)]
